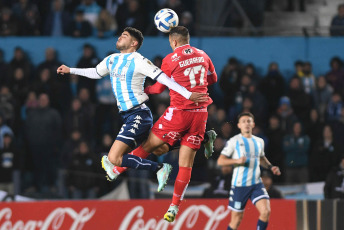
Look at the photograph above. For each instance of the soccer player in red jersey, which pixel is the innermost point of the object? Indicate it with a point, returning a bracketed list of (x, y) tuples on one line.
[(185, 121)]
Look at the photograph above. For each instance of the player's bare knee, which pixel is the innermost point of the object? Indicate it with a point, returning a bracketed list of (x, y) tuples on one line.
[(265, 213), (115, 160)]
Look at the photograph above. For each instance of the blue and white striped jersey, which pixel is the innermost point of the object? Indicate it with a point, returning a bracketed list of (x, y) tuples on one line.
[(128, 72), (252, 148)]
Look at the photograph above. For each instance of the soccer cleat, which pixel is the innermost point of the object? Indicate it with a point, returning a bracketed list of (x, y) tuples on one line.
[(209, 146), (163, 175), (171, 213), (108, 167)]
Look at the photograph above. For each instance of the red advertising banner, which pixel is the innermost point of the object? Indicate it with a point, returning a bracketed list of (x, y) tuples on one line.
[(208, 214)]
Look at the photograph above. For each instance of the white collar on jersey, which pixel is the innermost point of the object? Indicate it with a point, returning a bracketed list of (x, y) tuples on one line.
[(181, 46)]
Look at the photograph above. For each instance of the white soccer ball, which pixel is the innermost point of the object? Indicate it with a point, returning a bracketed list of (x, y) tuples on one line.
[(165, 19)]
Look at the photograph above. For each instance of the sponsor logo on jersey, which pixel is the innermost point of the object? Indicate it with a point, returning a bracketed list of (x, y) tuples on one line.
[(187, 51), (175, 57), (191, 61)]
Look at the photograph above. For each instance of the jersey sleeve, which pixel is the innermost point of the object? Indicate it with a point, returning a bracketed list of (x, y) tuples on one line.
[(147, 68), (228, 150), (157, 88), (103, 67), (211, 75)]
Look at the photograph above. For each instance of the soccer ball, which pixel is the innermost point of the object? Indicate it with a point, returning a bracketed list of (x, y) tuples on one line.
[(165, 19)]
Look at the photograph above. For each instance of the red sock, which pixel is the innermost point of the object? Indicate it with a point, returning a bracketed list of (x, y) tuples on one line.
[(140, 152), (182, 181)]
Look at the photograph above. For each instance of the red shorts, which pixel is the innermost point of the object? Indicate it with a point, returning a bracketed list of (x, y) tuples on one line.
[(185, 125)]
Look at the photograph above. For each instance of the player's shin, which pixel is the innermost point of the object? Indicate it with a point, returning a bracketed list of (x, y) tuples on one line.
[(261, 225), (180, 185)]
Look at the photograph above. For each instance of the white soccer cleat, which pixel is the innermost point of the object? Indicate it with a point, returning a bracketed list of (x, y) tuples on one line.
[(163, 175), (108, 167), (171, 213)]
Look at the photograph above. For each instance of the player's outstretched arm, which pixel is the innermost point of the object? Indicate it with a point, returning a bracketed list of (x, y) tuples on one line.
[(266, 164), (63, 69), (89, 72)]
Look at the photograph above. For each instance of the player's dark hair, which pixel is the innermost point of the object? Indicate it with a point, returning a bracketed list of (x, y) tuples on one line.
[(137, 34), (182, 32), (248, 114)]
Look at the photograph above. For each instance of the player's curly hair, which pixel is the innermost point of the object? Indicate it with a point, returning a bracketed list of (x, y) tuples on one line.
[(182, 32), (137, 34)]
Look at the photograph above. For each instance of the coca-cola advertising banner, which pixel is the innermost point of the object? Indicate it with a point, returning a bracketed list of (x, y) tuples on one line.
[(208, 214)]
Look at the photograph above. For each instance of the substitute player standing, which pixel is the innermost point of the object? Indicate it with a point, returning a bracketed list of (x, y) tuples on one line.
[(185, 121), (246, 152), (128, 70)]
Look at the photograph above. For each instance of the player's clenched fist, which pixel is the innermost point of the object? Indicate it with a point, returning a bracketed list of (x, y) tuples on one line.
[(63, 69)]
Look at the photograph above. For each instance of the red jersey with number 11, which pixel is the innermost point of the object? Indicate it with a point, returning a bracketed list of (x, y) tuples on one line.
[(191, 68)]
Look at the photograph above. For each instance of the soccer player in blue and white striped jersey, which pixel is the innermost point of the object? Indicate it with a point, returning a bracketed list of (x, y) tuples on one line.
[(246, 153), (128, 70)]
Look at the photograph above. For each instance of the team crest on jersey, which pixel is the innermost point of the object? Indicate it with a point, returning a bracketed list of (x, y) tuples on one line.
[(175, 57), (188, 51)]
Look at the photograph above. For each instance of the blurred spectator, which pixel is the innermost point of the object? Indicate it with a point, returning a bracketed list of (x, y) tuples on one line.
[(8, 23), (314, 127), (337, 23), (105, 25), (91, 10), (300, 101), (334, 185), (131, 14), (50, 62), (3, 69), (336, 75), (79, 26), (334, 107), (9, 161), (338, 130), (324, 156), (217, 121), (88, 59), (4, 129), (43, 133), (58, 20), (322, 96), (273, 149), (298, 66), (19, 60), (79, 119), (229, 81), (273, 192), (250, 70), (7, 104), (296, 147), (259, 107), (286, 114), (70, 148), (186, 20), (221, 185), (175, 5), (272, 86), (30, 103), (82, 174), (112, 6), (30, 24), (104, 147), (308, 78), (19, 85)]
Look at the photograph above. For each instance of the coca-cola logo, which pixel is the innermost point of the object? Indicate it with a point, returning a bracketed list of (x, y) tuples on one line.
[(188, 219), (54, 221)]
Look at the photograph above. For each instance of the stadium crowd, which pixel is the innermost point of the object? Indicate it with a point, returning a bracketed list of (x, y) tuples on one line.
[(56, 128)]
